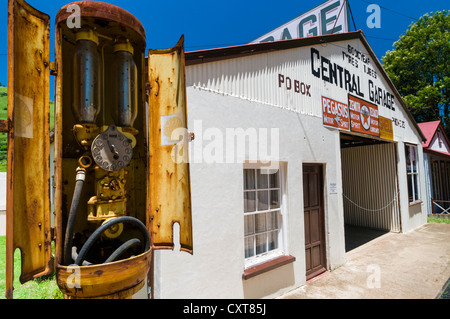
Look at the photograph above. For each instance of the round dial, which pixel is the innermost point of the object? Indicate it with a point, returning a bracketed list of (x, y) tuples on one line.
[(112, 150)]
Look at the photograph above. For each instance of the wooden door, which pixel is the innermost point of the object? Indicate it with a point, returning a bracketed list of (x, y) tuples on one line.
[(314, 220)]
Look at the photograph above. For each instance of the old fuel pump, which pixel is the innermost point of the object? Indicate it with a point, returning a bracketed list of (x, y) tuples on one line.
[(117, 187)]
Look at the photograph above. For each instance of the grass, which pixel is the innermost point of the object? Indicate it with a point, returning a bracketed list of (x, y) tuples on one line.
[(439, 220), (41, 288)]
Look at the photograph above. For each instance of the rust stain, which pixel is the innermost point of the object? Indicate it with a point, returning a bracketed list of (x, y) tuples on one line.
[(98, 272), (102, 10), (168, 189), (28, 203)]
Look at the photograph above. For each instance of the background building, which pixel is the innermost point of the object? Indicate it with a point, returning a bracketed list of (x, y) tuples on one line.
[(437, 167)]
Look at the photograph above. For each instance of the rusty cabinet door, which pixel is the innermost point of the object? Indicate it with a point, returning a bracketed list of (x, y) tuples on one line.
[(169, 184), (28, 170)]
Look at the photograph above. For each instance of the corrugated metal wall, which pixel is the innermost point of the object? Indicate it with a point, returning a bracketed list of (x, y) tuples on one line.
[(369, 178), (256, 78)]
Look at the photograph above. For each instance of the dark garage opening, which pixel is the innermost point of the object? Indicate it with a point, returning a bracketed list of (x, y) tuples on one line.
[(370, 192), (356, 236)]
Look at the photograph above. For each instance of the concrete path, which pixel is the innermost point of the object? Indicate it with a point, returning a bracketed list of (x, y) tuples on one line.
[(415, 265)]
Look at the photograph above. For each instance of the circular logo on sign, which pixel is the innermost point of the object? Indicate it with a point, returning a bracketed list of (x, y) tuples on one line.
[(365, 117)]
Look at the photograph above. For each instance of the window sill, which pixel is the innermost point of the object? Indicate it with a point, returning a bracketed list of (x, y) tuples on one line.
[(267, 266), (415, 202)]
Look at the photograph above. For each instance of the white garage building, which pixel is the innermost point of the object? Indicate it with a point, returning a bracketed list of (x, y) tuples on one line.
[(293, 140)]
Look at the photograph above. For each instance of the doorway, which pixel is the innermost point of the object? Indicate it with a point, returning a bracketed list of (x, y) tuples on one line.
[(314, 218), (369, 188)]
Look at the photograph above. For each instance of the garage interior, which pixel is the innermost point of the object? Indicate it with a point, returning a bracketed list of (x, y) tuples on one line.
[(370, 189)]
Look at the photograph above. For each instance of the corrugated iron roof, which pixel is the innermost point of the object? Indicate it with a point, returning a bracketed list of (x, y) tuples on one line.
[(429, 129), (218, 54)]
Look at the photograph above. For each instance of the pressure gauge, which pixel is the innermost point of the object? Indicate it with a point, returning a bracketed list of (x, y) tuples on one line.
[(112, 150)]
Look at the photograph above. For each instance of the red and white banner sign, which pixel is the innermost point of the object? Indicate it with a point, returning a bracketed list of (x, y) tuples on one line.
[(335, 114), (363, 116)]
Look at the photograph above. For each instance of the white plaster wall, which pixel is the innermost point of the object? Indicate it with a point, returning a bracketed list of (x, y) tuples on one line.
[(411, 216), (215, 269)]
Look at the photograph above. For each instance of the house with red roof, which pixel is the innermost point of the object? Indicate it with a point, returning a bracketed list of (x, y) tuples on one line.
[(436, 151)]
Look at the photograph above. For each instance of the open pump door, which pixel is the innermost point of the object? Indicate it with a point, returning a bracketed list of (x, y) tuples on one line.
[(169, 191), (28, 171)]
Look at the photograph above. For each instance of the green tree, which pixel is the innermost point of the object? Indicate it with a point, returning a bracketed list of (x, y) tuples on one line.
[(419, 66)]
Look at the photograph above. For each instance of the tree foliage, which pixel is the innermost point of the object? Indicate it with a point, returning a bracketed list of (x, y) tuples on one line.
[(419, 67)]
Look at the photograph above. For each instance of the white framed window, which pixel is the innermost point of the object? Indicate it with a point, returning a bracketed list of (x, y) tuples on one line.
[(412, 171), (263, 231)]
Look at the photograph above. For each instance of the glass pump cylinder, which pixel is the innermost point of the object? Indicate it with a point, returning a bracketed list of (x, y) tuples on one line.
[(87, 70), (125, 85)]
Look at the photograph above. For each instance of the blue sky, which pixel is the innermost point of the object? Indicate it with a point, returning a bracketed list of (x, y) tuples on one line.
[(209, 24)]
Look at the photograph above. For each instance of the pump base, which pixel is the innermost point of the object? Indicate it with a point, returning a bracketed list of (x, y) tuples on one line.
[(116, 280)]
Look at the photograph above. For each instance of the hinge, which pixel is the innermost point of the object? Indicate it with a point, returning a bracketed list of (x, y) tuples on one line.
[(53, 69)]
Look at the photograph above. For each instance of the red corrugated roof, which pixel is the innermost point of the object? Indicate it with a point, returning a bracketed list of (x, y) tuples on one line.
[(428, 129)]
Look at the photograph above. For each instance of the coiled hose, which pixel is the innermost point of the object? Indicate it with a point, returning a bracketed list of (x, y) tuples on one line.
[(123, 219), (79, 259)]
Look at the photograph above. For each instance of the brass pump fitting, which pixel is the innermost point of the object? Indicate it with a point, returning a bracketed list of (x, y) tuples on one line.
[(123, 46), (87, 34), (81, 174)]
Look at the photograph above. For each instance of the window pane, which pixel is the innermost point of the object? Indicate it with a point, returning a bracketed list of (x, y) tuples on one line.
[(261, 244), (273, 240), (410, 188), (249, 247), (272, 220), (262, 178), (413, 151), (274, 199), (416, 187), (249, 179), (408, 158), (274, 179), (249, 226), (263, 200), (260, 223), (249, 202)]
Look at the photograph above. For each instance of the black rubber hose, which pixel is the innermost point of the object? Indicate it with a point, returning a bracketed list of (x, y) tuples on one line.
[(80, 177), (123, 219), (122, 248), (75, 255)]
